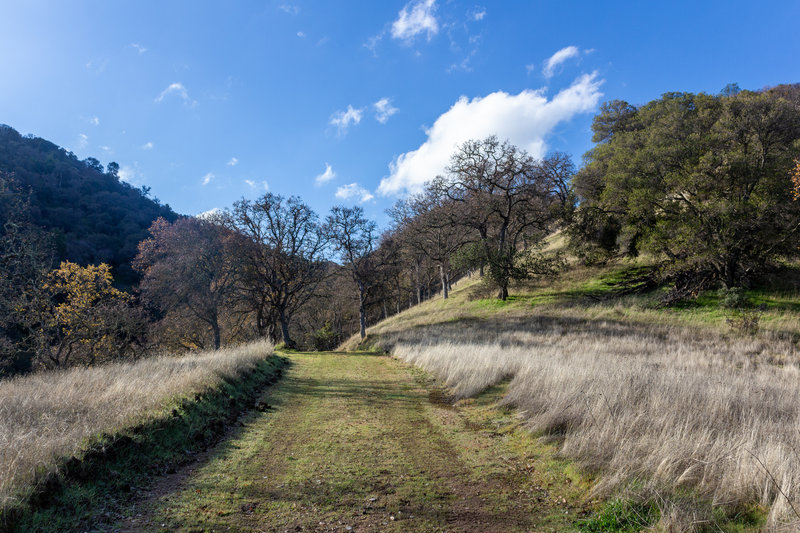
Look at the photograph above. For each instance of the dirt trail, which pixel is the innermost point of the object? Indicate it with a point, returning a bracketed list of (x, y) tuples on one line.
[(360, 442)]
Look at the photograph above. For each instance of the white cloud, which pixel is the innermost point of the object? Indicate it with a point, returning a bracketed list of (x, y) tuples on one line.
[(354, 190), (98, 65), (178, 89), (83, 140), (233, 162), (255, 185), (147, 146), (301, 34), (529, 68), (525, 119), (416, 18), (289, 8), (343, 119), (207, 178), (94, 121), (211, 213), (478, 14), (372, 43), (139, 48), (128, 174), (326, 176), (384, 109), (106, 149), (464, 64), (556, 59)]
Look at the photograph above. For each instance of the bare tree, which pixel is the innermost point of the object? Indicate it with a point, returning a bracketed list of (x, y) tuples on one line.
[(354, 238), (505, 196), (559, 171), (284, 255), (189, 266), (426, 222)]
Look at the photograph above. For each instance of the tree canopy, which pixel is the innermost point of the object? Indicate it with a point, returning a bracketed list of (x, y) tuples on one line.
[(701, 180), (283, 255)]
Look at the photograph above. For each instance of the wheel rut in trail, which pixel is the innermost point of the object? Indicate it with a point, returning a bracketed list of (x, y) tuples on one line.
[(353, 442)]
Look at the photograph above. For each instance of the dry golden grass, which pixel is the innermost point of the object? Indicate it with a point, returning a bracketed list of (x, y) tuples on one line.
[(666, 409), (47, 416)]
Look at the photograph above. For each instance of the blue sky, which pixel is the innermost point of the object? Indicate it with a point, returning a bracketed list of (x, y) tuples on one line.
[(355, 102)]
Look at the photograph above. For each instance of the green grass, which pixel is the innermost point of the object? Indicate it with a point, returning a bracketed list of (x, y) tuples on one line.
[(622, 291), (620, 515), (94, 489), (365, 441)]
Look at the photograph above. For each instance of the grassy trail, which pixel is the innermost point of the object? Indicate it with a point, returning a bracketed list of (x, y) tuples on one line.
[(361, 442)]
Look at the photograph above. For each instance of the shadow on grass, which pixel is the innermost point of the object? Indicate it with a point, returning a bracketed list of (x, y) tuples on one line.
[(369, 391)]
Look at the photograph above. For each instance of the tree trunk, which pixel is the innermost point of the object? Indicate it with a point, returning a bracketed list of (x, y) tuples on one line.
[(287, 341), (731, 270), (362, 317), (261, 323), (503, 295), (215, 329), (362, 311), (445, 292)]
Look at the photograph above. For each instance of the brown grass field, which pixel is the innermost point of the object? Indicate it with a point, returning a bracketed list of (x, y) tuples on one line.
[(672, 407), (48, 416)]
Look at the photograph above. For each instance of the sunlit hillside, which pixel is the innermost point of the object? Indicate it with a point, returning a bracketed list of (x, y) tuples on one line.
[(690, 407)]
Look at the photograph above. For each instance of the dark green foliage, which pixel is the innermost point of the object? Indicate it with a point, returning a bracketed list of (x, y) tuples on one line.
[(91, 490), (733, 298), (519, 265), (699, 180), (742, 318), (95, 217), (621, 516), (593, 235), (323, 339), (471, 256), (26, 256)]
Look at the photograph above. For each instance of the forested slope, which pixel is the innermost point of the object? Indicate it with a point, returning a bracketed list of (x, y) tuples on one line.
[(95, 217)]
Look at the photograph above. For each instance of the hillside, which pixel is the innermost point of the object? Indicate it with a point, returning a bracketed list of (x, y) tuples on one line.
[(684, 408), (616, 292), (96, 218)]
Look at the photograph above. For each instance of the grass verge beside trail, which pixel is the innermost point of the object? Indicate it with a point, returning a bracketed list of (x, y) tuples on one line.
[(77, 446), (363, 442)]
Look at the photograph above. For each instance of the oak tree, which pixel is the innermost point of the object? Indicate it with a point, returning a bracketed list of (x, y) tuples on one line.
[(283, 256)]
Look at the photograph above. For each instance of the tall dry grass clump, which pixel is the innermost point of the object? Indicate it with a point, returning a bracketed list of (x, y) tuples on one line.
[(688, 418), (48, 416)]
